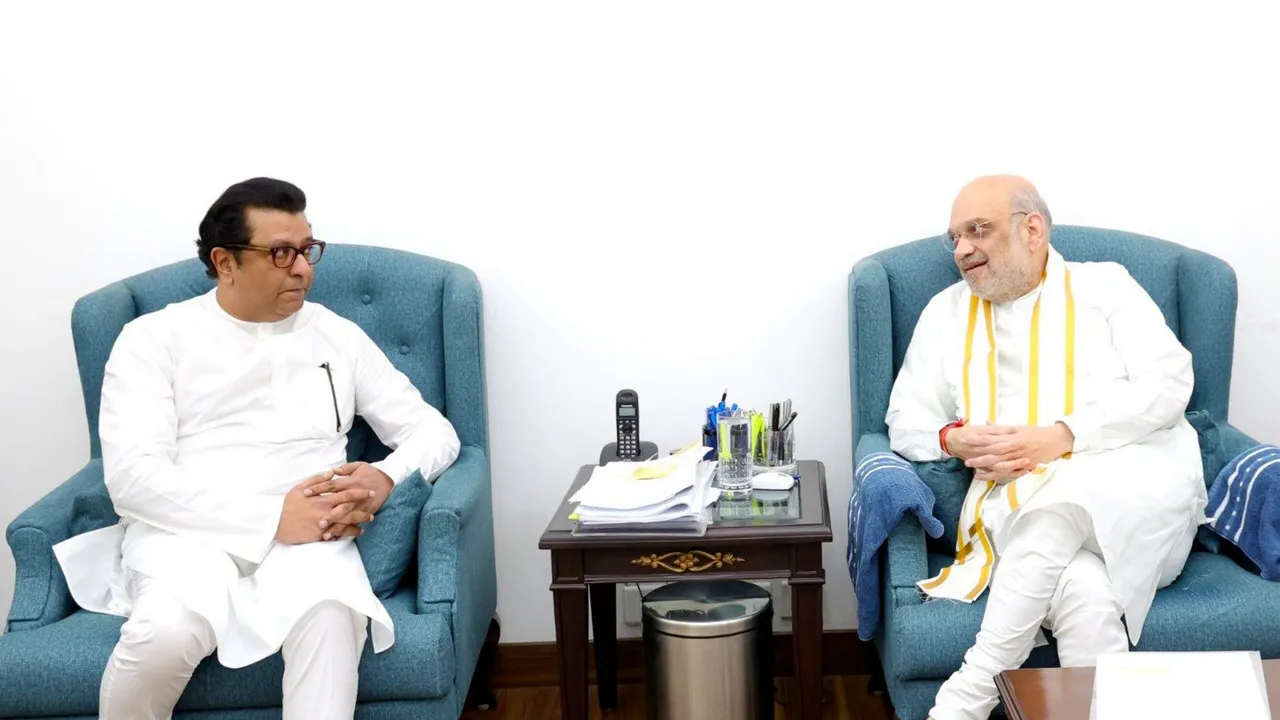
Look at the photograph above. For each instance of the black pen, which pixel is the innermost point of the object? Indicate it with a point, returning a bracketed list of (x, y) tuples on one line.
[(337, 417)]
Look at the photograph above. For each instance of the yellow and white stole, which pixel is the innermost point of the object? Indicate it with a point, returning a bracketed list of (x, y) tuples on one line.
[(1049, 376)]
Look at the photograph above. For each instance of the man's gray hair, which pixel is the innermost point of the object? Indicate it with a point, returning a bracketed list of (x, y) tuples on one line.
[(1027, 200)]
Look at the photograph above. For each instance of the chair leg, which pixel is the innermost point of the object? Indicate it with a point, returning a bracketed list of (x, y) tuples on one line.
[(481, 695), (876, 685)]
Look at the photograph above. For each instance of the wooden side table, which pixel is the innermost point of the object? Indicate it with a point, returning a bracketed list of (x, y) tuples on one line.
[(749, 540)]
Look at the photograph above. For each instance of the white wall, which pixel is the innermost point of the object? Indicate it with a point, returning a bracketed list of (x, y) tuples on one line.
[(612, 174)]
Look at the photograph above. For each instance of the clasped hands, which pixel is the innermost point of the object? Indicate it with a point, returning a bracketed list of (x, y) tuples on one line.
[(999, 452), (332, 505)]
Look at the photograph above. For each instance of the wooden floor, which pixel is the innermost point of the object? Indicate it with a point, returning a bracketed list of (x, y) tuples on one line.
[(844, 698)]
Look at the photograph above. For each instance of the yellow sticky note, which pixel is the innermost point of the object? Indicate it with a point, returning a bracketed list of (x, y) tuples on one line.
[(652, 471)]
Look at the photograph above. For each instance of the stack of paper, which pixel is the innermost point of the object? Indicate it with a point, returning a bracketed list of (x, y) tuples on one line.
[(662, 496), (1177, 685)]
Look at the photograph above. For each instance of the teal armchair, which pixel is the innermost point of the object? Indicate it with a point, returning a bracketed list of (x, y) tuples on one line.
[(426, 315), (1217, 603)]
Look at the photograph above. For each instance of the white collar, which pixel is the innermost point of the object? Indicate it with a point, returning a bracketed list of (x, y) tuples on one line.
[(260, 329)]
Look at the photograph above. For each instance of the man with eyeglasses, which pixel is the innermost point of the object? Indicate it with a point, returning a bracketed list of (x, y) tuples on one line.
[(1060, 385), (223, 427)]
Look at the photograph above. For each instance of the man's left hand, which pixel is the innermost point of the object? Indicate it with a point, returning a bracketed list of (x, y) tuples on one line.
[(358, 475), (1022, 451)]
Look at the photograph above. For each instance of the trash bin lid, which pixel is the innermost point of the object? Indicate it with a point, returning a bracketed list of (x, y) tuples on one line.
[(706, 608)]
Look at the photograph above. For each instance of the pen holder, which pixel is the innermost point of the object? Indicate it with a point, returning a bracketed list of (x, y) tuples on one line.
[(733, 455), (776, 451), (709, 442)]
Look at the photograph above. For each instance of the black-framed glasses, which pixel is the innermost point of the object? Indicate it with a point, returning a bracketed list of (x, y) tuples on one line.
[(973, 231), (285, 255)]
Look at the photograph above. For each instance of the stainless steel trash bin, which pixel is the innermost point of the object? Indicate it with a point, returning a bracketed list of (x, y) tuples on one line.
[(708, 648)]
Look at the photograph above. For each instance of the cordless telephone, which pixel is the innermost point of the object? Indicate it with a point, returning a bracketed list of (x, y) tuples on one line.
[(627, 415), (626, 419)]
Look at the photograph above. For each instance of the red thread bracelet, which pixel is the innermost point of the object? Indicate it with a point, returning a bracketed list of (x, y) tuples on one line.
[(942, 434)]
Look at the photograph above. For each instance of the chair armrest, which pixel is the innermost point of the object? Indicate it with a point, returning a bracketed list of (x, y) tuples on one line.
[(455, 532), (456, 564), (868, 444), (40, 594), (906, 559)]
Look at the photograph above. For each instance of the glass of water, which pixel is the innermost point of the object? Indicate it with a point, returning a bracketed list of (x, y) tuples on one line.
[(733, 470)]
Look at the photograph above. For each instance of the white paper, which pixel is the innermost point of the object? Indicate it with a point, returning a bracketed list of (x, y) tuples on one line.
[(1177, 685), (619, 499), (614, 485)]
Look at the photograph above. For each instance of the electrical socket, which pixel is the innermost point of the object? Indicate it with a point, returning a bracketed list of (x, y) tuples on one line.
[(781, 591), (631, 602), (630, 605)]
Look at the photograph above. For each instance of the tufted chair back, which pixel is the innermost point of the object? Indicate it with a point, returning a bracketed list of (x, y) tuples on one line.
[(888, 291), (423, 312)]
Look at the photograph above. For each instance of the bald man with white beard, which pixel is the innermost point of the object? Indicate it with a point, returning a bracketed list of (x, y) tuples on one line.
[(1061, 386)]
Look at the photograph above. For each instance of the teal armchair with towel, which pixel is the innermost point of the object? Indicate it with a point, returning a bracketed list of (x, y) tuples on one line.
[(1218, 603), (426, 315)]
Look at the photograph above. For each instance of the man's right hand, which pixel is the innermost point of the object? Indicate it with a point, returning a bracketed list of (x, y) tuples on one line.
[(969, 441), (302, 516)]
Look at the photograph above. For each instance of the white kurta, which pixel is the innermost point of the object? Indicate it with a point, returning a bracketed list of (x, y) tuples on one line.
[(206, 422), (1135, 466)]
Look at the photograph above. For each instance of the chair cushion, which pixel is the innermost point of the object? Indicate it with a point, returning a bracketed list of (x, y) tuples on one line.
[(389, 544), (1212, 454), (949, 480), (1214, 605), (57, 669), (1212, 457), (92, 509), (948, 629)]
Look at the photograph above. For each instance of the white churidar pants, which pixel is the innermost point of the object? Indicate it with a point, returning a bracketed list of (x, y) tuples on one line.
[(162, 642), (1047, 576)]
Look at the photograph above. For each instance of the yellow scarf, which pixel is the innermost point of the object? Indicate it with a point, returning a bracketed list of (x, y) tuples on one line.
[(990, 504)]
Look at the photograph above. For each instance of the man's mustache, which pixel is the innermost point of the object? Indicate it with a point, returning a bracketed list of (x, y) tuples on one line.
[(970, 261)]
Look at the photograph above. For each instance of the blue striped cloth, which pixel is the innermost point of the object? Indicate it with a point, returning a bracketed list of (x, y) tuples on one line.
[(885, 488), (1244, 507)]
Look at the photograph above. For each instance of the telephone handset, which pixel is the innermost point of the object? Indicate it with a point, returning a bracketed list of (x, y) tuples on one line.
[(627, 417), (628, 447)]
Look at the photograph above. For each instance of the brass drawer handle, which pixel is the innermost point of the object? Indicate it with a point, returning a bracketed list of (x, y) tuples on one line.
[(693, 561)]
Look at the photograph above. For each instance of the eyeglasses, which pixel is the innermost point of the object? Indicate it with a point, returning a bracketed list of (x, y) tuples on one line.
[(974, 231), (285, 255)]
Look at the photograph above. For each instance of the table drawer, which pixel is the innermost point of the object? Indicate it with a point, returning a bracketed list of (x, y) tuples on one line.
[(688, 559)]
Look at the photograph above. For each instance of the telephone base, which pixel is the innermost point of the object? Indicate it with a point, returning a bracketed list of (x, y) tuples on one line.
[(610, 452)]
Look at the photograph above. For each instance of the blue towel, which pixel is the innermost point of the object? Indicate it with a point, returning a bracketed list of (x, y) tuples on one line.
[(1244, 507), (885, 488)]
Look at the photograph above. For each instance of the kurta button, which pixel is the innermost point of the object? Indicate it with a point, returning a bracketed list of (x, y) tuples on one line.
[(365, 299), (404, 349)]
